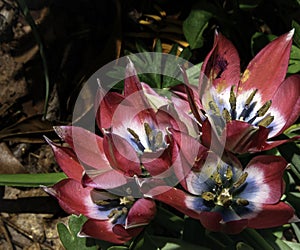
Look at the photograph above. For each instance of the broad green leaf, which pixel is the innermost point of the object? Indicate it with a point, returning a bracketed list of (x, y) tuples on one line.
[(118, 248), (31, 180), (186, 53), (296, 38), (294, 63), (68, 234), (167, 243), (169, 220), (193, 74), (243, 246), (194, 26), (296, 230)]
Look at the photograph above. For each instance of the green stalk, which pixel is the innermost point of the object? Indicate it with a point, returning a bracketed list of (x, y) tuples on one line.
[(30, 180)]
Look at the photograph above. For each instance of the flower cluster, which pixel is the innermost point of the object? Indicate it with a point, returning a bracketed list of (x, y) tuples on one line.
[(184, 151)]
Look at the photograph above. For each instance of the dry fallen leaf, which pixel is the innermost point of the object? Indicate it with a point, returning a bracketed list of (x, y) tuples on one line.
[(8, 162)]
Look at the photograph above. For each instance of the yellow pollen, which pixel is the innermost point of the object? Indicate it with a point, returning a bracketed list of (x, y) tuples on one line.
[(245, 76)]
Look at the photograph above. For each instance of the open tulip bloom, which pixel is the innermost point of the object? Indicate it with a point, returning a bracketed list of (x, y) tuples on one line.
[(150, 149), (250, 108), (226, 197)]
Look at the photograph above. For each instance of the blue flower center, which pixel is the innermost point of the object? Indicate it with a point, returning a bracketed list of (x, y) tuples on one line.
[(245, 113), (223, 189), (154, 139)]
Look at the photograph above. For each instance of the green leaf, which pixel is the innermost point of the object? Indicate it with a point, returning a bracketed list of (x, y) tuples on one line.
[(193, 74), (169, 220), (118, 248), (68, 234), (296, 230), (243, 246), (167, 243), (31, 180), (194, 26), (294, 63), (297, 33)]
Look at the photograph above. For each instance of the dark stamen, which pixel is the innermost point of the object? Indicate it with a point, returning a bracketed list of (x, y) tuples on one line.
[(158, 140), (242, 202), (228, 174), (247, 105), (214, 107), (250, 98), (265, 122), (263, 110), (148, 129), (208, 196), (232, 99), (241, 180), (226, 115), (136, 139), (135, 136)]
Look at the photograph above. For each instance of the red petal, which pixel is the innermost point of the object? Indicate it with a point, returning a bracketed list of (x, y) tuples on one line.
[(273, 168), (107, 180), (102, 230), (133, 88), (106, 110), (221, 66), (272, 144), (173, 197), (242, 137), (67, 161), (155, 100), (87, 146), (75, 199), (141, 213), (127, 233), (286, 101), (272, 216), (268, 68), (121, 155), (212, 221)]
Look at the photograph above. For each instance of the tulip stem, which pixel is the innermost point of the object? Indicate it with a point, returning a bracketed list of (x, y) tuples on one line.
[(255, 238)]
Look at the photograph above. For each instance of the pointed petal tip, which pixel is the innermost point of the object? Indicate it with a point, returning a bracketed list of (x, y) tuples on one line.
[(290, 34), (294, 219), (49, 190), (48, 140), (130, 69)]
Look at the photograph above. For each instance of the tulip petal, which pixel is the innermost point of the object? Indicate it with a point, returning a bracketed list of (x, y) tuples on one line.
[(102, 230), (108, 105), (262, 72), (87, 146), (104, 180), (213, 222), (141, 213), (133, 87), (175, 198), (242, 137), (264, 181), (75, 199), (155, 100), (272, 216), (121, 154), (67, 161), (221, 66), (285, 105)]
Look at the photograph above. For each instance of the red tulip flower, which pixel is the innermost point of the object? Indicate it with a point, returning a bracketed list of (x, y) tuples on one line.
[(225, 197), (251, 108), (114, 216)]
